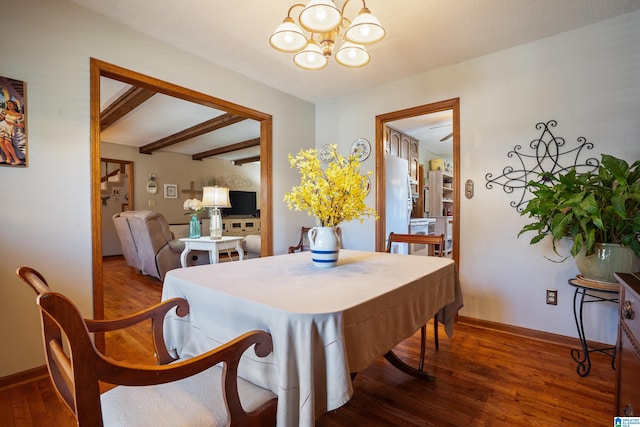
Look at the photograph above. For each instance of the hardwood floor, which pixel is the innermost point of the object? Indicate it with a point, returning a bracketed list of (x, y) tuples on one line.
[(483, 378)]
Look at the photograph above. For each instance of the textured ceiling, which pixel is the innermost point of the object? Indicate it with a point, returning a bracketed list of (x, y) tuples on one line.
[(421, 34)]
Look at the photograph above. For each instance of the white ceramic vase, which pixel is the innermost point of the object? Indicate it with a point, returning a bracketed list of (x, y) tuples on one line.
[(325, 246)]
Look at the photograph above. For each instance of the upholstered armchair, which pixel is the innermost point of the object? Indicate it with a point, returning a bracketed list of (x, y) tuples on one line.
[(156, 249), (129, 251)]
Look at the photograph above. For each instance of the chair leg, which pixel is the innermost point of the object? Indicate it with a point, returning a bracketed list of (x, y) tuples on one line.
[(423, 339), (435, 331)]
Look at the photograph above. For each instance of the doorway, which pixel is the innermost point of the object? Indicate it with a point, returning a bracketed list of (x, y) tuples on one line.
[(100, 69), (117, 195), (384, 120)]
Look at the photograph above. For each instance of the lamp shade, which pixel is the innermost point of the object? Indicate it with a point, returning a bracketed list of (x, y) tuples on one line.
[(320, 16), (215, 197), (352, 55), (311, 58), (288, 37), (365, 29)]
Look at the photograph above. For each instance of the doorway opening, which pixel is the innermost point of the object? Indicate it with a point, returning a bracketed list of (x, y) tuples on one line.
[(385, 144)]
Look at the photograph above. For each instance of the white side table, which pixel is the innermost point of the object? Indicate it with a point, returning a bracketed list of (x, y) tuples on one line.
[(205, 243)]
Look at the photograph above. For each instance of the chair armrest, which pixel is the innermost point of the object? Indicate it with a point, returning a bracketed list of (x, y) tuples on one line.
[(156, 313), (176, 245), (229, 353)]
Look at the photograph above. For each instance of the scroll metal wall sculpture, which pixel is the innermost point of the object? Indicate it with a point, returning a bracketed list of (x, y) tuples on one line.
[(549, 155)]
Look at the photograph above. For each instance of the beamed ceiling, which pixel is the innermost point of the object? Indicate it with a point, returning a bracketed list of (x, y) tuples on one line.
[(153, 121)]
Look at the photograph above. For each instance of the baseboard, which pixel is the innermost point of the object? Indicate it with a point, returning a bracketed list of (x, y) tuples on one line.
[(534, 334), (23, 377)]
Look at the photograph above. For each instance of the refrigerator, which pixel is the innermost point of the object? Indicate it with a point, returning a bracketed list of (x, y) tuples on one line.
[(398, 199)]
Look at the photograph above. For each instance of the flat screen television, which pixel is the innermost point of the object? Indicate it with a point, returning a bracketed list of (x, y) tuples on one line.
[(242, 203)]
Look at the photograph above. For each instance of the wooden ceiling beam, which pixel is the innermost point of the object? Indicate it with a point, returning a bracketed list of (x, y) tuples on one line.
[(197, 130), (227, 149), (240, 162), (122, 106)]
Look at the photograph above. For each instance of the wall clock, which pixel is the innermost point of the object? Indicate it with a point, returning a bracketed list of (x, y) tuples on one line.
[(361, 148)]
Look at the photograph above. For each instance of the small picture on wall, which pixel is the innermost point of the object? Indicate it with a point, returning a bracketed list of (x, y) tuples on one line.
[(13, 139), (170, 191)]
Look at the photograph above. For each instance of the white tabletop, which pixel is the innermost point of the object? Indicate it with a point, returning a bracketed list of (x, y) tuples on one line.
[(208, 239), (325, 323), (206, 243)]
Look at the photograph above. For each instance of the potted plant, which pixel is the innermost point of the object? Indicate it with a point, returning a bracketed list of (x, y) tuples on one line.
[(333, 195), (599, 210)]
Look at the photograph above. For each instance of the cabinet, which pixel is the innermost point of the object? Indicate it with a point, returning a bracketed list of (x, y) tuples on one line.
[(440, 193), (394, 141), (405, 147), (628, 352), (441, 204), (414, 163), (240, 226), (444, 225)]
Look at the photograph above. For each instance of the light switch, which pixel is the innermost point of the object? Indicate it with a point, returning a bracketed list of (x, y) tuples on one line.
[(152, 203), (468, 189)]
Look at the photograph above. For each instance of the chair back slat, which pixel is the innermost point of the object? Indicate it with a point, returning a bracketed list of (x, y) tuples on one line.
[(424, 239)]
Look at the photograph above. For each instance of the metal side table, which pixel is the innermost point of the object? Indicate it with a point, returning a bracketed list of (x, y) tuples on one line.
[(590, 291)]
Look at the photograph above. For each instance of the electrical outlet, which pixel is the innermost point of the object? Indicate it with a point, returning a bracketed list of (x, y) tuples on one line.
[(552, 296)]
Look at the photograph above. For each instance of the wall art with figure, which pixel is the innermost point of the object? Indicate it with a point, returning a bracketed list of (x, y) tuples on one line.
[(13, 135)]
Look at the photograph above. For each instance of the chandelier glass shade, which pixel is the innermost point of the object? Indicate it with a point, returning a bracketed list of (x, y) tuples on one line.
[(327, 27), (311, 57), (352, 55)]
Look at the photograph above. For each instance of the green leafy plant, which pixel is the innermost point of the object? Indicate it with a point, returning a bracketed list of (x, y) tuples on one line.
[(601, 206)]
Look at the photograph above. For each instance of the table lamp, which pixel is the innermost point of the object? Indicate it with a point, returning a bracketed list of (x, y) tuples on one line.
[(215, 198)]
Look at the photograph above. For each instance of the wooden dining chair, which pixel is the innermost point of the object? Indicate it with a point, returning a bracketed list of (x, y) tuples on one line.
[(203, 390), (434, 243), (303, 243)]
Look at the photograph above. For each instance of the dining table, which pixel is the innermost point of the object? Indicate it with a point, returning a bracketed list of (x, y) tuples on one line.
[(326, 323)]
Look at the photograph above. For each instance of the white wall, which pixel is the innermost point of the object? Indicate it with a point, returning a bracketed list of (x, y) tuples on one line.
[(587, 80), (46, 210)]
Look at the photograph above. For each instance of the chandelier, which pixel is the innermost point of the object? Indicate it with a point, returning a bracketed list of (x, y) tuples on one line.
[(327, 26)]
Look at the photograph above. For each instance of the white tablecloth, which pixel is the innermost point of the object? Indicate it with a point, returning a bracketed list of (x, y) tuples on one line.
[(325, 323)]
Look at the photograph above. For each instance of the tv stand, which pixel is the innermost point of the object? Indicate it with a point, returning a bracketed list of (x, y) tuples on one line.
[(240, 226)]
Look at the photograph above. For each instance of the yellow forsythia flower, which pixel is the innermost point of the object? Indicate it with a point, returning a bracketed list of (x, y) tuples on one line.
[(333, 195)]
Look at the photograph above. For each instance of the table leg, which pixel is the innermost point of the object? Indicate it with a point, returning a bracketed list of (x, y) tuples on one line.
[(399, 364), (582, 357), (183, 255), (584, 361), (240, 250)]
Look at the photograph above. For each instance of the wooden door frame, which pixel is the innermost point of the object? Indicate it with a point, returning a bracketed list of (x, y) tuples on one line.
[(99, 69), (450, 104)]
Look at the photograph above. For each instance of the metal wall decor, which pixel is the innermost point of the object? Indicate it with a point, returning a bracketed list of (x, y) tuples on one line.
[(548, 156)]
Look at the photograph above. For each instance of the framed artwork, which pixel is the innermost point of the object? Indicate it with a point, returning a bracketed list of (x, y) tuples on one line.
[(170, 191), (13, 117)]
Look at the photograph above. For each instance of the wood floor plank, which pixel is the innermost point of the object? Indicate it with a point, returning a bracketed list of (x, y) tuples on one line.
[(483, 377)]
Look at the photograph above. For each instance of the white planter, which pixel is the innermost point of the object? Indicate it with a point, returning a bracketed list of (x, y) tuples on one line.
[(325, 246), (609, 258)]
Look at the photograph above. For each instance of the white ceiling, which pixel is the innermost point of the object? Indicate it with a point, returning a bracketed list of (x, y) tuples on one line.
[(421, 34)]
